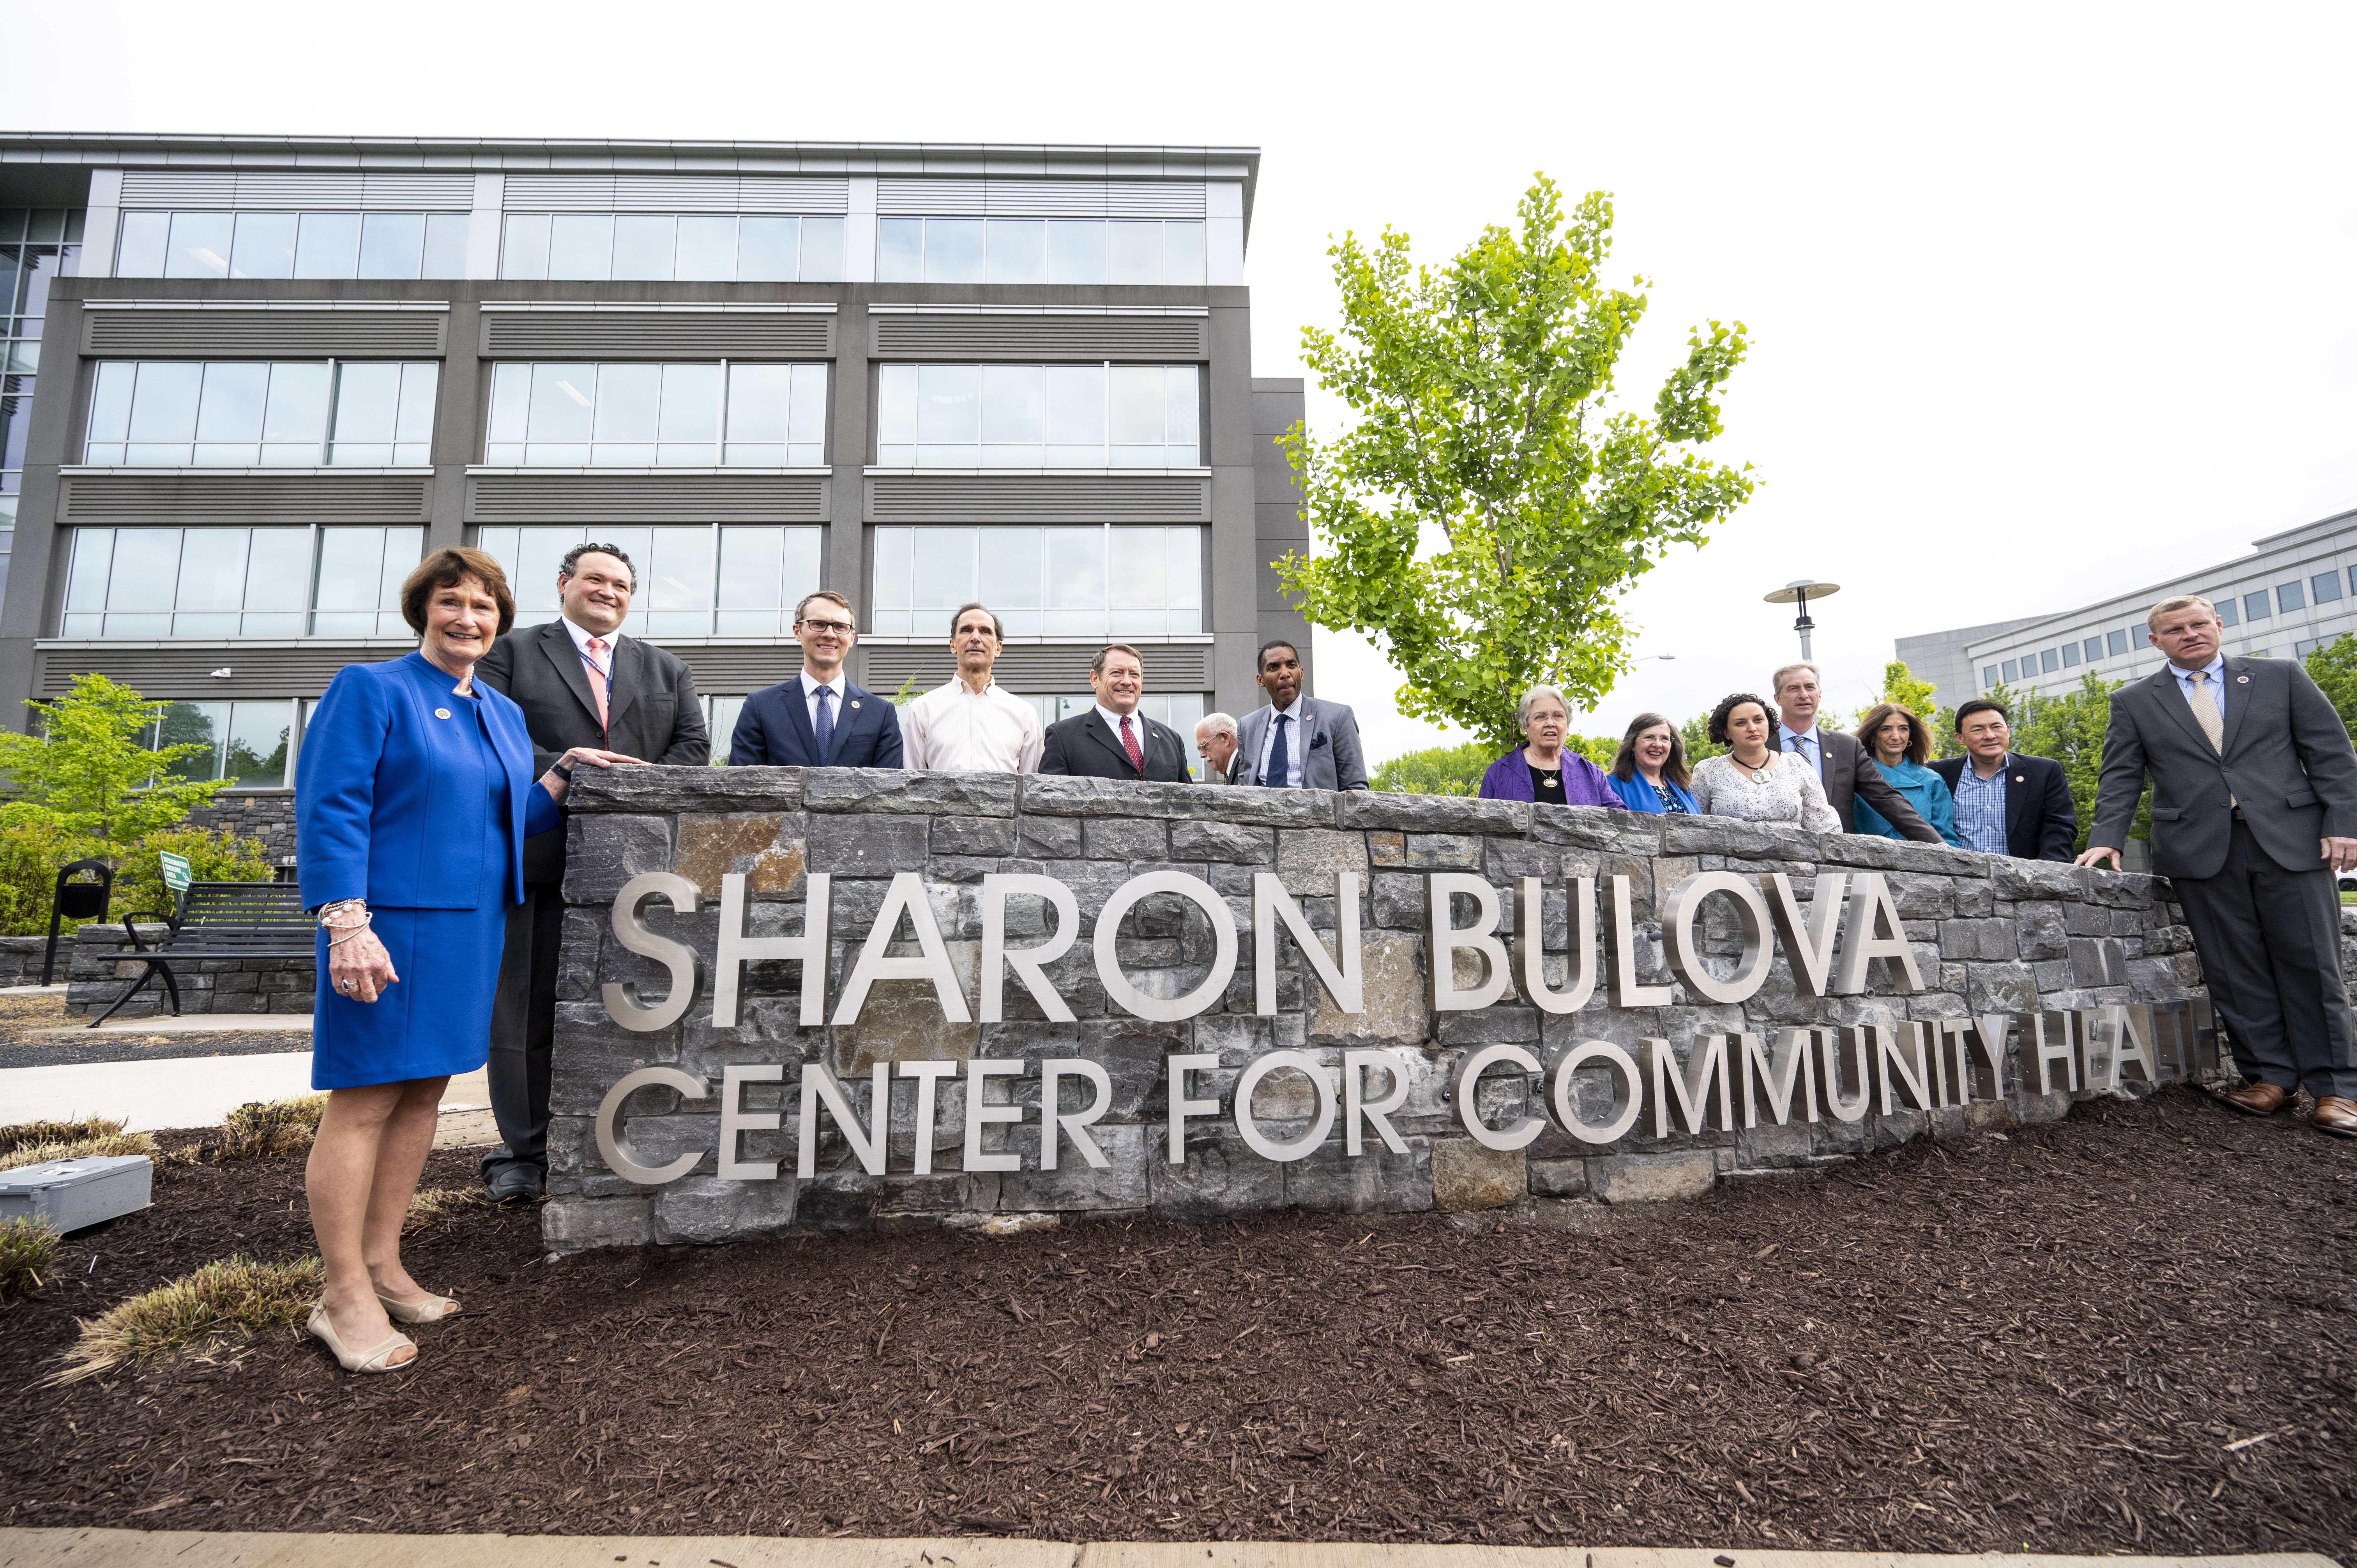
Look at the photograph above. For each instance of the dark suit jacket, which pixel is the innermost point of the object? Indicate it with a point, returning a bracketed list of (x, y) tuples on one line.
[(2286, 760), (1847, 777), (775, 730), (1082, 746), (652, 711), (2041, 821)]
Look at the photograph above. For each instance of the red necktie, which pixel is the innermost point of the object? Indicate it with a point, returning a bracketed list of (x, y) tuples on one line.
[(1129, 745)]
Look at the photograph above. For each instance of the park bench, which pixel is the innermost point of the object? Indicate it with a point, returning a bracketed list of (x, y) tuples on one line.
[(219, 920)]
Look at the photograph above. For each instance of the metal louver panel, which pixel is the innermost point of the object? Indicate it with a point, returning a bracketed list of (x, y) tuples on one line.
[(285, 190), (673, 193), (591, 498), (629, 334), (1046, 498), (1159, 337), (182, 499), (1040, 197), (235, 334), (1031, 666), (185, 670), (733, 669)]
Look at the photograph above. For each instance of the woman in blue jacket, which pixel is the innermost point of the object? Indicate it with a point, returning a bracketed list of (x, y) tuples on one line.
[(1650, 773), (413, 797), (1900, 743)]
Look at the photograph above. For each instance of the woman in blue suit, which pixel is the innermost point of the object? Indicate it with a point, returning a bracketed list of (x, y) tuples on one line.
[(413, 797)]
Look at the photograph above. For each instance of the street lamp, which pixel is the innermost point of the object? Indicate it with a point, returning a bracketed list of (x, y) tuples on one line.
[(1797, 591), (1665, 658)]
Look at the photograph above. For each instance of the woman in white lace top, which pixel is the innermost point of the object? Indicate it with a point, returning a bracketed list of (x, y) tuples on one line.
[(1754, 781)]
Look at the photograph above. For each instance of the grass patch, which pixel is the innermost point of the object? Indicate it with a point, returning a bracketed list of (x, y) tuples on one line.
[(236, 1298), (18, 1134), (436, 1204), (259, 1128), (26, 1246), (80, 1148)]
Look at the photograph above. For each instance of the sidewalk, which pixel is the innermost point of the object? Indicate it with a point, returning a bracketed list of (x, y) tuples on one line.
[(197, 1091), (187, 1548)]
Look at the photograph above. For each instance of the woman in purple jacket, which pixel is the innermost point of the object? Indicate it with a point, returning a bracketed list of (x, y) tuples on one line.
[(1542, 770)]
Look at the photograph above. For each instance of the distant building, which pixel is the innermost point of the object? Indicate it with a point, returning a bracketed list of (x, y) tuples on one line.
[(273, 371), (2297, 590)]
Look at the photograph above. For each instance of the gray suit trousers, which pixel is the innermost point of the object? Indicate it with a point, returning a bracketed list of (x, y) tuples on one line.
[(2269, 942), (523, 1027)]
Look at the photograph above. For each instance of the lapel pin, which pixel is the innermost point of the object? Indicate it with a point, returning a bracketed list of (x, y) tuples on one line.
[(441, 713), (855, 701), (2021, 777), (2242, 680)]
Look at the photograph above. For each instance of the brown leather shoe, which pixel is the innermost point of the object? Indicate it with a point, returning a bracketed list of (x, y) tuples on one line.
[(2260, 1098), (2335, 1115)]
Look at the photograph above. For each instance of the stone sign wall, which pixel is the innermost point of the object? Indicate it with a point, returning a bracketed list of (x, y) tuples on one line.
[(1756, 1000)]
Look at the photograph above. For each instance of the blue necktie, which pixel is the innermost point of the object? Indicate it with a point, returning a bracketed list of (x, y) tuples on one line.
[(824, 728), (1280, 759)]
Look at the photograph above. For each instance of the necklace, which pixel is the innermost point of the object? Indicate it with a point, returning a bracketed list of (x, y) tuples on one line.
[(1754, 774)]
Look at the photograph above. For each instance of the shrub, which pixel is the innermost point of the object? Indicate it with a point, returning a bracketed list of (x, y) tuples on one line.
[(273, 1127), (33, 847), (27, 1247), (213, 855), (1436, 770), (79, 1149), (236, 1296)]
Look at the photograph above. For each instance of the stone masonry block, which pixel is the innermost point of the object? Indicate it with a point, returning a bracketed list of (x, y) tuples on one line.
[(1467, 1176), (1653, 1178), (863, 845), (1308, 860)]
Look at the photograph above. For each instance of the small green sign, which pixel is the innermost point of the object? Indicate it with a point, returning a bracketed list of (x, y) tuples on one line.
[(176, 872)]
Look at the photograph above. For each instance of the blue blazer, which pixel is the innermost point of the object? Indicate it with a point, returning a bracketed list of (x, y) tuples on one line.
[(774, 730), (373, 813)]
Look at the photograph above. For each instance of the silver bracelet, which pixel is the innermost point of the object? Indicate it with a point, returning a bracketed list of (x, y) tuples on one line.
[(343, 905)]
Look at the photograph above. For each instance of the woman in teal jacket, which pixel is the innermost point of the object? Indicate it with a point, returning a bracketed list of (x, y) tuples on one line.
[(1900, 744)]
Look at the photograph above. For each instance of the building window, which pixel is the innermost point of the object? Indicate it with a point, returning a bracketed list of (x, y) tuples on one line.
[(644, 416), (1037, 416), (2069, 655), (695, 580), (2049, 661), (2012, 671), (2291, 597), (2301, 649), (2325, 586), (292, 245), (663, 247), (2227, 614), (1988, 676), (1041, 582), (2094, 648), (180, 413), (1037, 251), (2255, 606), (239, 582), (250, 742), (37, 245), (720, 716), (2117, 643)]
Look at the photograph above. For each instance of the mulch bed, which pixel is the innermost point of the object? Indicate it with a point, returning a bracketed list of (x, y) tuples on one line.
[(26, 1042), (2065, 1340)]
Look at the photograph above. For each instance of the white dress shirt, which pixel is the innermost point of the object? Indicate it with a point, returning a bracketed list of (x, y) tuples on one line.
[(605, 661), (810, 698), (1136, 728), (1812, 749), (2216, 670), (955, 729), (1292, 748)]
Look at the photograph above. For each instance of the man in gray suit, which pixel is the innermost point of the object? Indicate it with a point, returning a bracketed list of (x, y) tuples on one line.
[(2254, 810), (1297, 742), (579, 683)]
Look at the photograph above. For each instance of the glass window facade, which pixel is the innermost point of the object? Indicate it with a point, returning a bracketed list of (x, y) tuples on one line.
[(650, 415), (2255, 606), (695, 580), (1039, 251), (2228, 614), (239, 582), (1042, 582), (2094, 648), (2049, 661), (1988, 675), (2291, 597), (1037, 416), (181, 413), (2012, 671), (2325, 586), (38, 244), (2069, 655), (662, 247), (250, 742), (292, 245)]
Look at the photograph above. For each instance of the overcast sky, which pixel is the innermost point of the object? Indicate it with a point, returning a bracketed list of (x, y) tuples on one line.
[(2047, 302)]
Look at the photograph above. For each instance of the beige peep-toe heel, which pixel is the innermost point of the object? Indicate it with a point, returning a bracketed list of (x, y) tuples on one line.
[(323, 1328), (432, 1309)]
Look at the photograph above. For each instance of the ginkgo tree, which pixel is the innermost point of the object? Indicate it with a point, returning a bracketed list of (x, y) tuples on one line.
[(1489, 503)]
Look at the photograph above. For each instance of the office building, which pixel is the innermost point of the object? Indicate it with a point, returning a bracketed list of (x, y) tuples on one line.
[(2297, 590), (273, 372)]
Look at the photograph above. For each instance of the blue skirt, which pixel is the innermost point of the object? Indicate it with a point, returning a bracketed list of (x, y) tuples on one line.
[(435, 1020)]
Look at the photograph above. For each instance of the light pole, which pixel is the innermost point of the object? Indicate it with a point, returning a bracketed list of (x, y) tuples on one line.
[(1797, 593)]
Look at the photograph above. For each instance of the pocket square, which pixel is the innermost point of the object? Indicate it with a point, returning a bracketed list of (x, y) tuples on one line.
[(1317, 740)]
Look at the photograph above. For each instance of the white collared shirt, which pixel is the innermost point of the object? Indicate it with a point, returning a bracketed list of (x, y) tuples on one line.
[(2216, 670), (955, 729), (1812, 749), (810, 697), (1293, 747), (604, 660), (1136, 726)]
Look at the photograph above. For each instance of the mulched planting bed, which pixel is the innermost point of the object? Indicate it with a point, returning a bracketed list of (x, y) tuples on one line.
[(2066, 1339)]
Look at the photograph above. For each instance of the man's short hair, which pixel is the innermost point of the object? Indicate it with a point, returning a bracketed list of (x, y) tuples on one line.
[(996, 629), (831, 596), (2175, 603), (1981, 705), (1776, 681), (1218, 723), (1260, 660), (1096, 665), (564, 567)]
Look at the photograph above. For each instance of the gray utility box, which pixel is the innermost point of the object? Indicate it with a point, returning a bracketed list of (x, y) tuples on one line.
[(67, 1195)]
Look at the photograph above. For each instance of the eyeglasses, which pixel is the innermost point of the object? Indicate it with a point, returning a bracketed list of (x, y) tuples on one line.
[(840, 627)]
